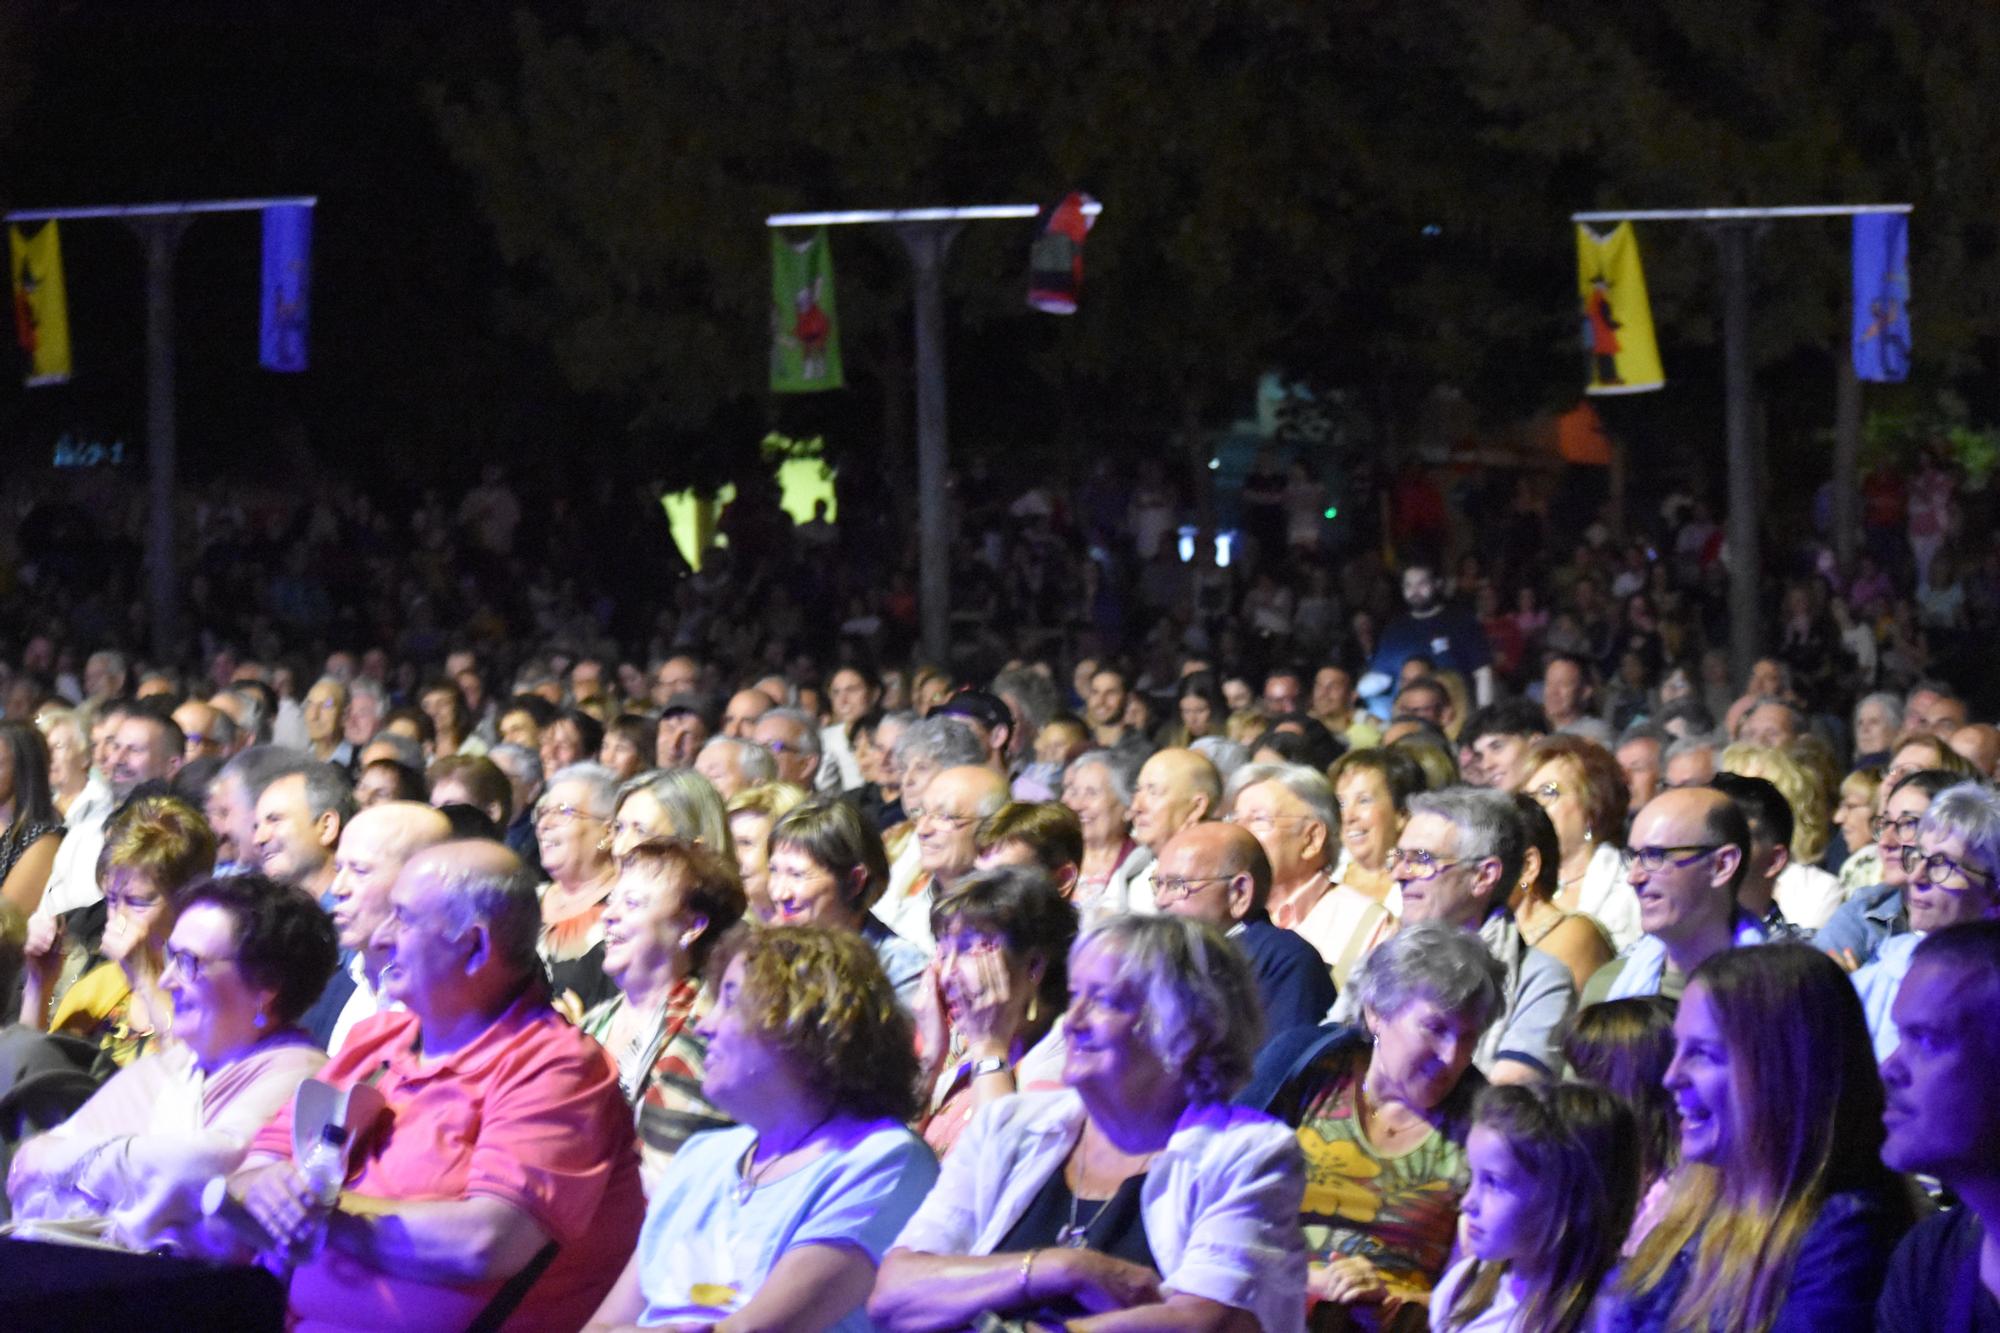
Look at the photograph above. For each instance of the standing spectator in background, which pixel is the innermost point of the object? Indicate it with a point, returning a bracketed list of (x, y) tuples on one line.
[(1448, 636)]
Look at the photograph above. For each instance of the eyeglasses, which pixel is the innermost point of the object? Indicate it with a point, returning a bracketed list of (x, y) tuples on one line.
[(1179, 887), (1547, 794), (950, 821), (1261, 823), (1416, 865), (1653, 860), (191, 965), (1905, 826), (1937, 868), (568, 814)]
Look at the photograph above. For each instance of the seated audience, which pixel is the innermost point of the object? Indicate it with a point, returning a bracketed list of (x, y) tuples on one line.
[(1001, 980), (1781, 1215), (1554, 1177), (1573, 939), (1098, 786), (1689, 850), (1381, 1113), (1218, 873), (572, 827), (1625, 1047), (246, 956), (505, 1143), (1942, 1118), (1136, 1197), (828, 868), (1045, 835), (1581, 786), (779, 1223), (1878, 913), (752, 812), (669, 803), (671, 905), (1954, 874)]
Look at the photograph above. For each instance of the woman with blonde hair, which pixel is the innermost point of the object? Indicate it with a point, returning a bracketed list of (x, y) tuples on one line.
[(1781, 1214), (1807, 895), (1861, 792), (752, 812)]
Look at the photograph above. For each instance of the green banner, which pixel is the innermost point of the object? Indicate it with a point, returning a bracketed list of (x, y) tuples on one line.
[(805, 331)]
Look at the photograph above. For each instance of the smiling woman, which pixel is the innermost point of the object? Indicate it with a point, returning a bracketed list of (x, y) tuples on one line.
[(1781, 1213), (827, 868)]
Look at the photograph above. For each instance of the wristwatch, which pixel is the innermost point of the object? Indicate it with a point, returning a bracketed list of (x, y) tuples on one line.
[(992, 1064)]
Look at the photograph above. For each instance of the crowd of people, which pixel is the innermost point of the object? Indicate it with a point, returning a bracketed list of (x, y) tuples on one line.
[(1246, 954)]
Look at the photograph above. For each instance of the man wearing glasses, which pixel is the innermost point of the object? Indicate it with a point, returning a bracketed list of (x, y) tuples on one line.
[(1953, 869), (1687, 854), (1456, 863)]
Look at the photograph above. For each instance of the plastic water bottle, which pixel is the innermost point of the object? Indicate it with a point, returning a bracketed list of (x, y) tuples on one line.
[(325, 1171)]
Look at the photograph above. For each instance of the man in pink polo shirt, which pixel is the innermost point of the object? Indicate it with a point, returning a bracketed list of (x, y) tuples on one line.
[(505, 1133)]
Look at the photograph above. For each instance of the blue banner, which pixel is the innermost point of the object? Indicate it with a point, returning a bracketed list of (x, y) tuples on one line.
[(1882, 297), (281, 339)]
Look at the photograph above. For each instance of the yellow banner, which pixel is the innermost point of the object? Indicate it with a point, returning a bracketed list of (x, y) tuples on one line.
[(1618, 341), (41, 311)]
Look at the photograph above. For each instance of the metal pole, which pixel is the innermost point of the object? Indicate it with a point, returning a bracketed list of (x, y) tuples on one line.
[(928, 243), (161, 236), (1846, 460), (1745, 628)]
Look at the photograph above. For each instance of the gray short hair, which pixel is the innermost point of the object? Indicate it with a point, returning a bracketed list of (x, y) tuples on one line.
[(1202, 1016), (1034, 692), (507, 902), (1121, 770), (600, 781), (753, 761), (256, 723), (361, 687), (261, 765), (1225, 754), (808, 729), (1695, 744), (408, 752), (328, 790), (1308, 784), (1889, 701), (943, 742), (1451, 968), (1971, 810), (689, 799), (1486, 822), (526, 761)]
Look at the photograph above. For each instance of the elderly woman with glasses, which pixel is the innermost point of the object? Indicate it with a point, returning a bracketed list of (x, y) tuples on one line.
[(673, 901), (1877, 913), (1954, 877), (246, 957), (1137, 1194), (572, 823), (1382, 1112)]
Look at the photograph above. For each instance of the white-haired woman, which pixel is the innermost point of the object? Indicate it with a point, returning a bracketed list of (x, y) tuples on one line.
[(1382, 1116), (1098, 787), (1139, 1193)]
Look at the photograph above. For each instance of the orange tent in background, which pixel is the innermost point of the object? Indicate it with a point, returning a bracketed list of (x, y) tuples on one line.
[(1580, 436)]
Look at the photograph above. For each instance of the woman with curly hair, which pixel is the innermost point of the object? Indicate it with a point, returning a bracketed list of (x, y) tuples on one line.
[(1138, 1192), (780, 1221)]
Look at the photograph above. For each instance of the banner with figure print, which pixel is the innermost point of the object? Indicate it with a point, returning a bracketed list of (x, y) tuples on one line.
[(281, 339), (1617, 318), (805, 329), (41, 309), (1882, 297)]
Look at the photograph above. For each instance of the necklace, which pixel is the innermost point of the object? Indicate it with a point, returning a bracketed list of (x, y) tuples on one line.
[(1075, 1234), (752, 1175)]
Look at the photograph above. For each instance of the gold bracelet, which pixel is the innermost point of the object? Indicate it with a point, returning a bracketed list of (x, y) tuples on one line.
[(1027, 1263)]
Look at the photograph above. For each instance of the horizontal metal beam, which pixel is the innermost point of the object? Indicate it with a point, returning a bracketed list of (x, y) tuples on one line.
[(1738, 214), (161, 210), (975, 213)]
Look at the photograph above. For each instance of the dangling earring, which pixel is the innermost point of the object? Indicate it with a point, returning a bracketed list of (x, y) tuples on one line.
[(1588, 837), (259, 1020), (1034, 1008)]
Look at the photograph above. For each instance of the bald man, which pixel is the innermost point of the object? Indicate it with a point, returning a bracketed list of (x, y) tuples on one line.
[(739, 718), (1690, 851), (373, 849), (1176, 788), (1218, 873), (947, 819)]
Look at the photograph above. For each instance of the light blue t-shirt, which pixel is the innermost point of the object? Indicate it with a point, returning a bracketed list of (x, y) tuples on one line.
[(703, 1254)]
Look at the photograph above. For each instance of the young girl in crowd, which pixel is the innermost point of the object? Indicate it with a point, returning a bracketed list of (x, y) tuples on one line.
[(1781, 1216), (1555, 1175), (1624, 1047)]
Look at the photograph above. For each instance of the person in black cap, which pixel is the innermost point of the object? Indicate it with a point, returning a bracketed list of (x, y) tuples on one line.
[(686, 724), (990, 719)]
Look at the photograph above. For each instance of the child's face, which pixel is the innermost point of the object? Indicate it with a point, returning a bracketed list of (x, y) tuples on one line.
[(1505, 1217)]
